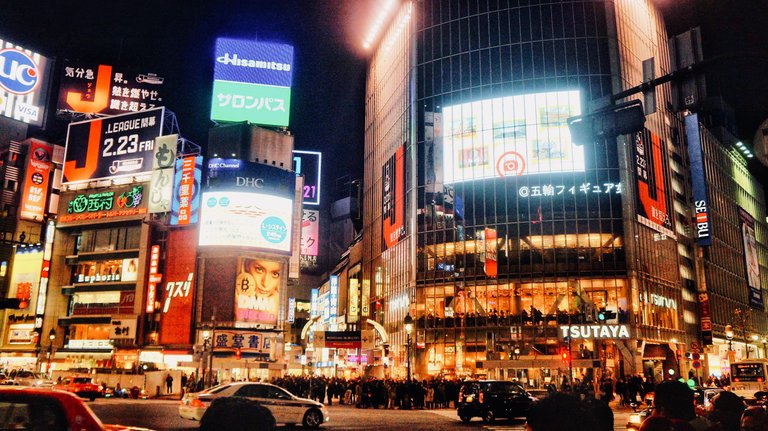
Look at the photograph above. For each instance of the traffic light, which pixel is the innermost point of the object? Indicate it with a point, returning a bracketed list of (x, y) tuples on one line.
[(386, 350), (604, 315), (12, 303), (565, 356)]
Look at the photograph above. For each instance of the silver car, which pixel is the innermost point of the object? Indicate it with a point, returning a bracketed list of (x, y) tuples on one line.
[(30, 378), (285, 407)]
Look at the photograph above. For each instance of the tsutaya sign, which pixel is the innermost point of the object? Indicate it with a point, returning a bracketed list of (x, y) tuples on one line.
[(595, 331)]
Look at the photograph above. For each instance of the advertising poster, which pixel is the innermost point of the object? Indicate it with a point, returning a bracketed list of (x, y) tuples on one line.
[(178, 293), (698, 182), (508, 136), (308, 164), (653, 205), (393, 199), (252, 82), (257, 290), (113, 147), (91, 88), (130, 269), (24, 84), (751, 259), (252, 220), (35, 187), (187, 190), (310, 232), (25, 276), (491, 258)]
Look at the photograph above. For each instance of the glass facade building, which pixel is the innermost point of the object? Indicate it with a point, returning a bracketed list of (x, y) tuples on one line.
[(509, 230)]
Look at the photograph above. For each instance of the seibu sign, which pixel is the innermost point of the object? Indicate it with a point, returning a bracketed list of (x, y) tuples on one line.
[(595, 331)]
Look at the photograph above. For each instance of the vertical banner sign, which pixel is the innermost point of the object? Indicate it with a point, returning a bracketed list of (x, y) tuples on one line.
[(291, 310), (653, 207), (313, 306), (252, 82), (179, 291), (706, 319), (112, 147), (334, 297), (308, 164), (35, 187), (491, 258), (185, 206), (42, 292), (433, 137), (24, 84), (310, 232), (393, 199), (751, 259), (154, 278), (698, 181), (25, 274), (163, 164)]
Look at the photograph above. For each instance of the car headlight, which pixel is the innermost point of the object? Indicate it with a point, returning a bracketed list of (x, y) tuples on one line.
[(635, 419)]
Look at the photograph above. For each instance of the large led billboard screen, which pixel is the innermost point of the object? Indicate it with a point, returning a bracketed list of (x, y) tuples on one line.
[(103, 89), (510, 136), (24, 83), (252, 82), (112, 147), (242, 219)]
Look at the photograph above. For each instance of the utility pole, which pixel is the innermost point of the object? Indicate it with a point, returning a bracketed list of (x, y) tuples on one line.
[(213, 345)]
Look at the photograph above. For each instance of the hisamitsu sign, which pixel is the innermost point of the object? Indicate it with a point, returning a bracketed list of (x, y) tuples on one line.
[(252, 82), (595, 331)]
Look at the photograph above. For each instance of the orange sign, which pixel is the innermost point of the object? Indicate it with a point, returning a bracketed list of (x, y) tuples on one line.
[(35, 188)]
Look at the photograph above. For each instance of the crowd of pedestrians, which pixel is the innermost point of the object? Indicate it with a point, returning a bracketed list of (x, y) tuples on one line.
[(375, 393)]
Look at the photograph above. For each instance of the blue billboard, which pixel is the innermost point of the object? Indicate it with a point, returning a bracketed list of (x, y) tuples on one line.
[(252, 82)]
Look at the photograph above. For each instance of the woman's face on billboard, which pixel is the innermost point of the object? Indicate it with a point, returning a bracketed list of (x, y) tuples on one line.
[(267, 276)]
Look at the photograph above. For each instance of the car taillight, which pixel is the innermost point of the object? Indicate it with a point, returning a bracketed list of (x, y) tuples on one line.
[(759, 379), (480, 397), (196, 403)]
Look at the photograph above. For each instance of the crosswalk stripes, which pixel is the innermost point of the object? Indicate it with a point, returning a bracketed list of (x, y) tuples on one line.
[(514, 427)]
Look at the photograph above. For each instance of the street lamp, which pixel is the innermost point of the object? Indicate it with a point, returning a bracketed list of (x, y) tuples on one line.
[(208, 349), (408, 323), (52, 337), (729, 337)]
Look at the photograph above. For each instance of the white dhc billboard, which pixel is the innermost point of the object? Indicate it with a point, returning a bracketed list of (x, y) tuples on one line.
[(511, 136), (241, 219)]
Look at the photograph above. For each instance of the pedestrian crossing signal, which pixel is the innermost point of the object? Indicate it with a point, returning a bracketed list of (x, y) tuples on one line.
[(565, 355)]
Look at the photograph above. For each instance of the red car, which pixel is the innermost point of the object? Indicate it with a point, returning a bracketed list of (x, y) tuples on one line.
[(49, 409), (82, 386)]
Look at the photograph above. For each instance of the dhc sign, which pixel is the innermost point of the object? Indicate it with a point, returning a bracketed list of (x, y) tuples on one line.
[(595, 331)]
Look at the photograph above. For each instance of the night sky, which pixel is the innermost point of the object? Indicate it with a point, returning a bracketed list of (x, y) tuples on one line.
[(175, 39)]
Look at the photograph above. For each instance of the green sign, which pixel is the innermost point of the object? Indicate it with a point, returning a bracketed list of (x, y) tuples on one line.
[(104, 201), (259, 104), (94, 202)]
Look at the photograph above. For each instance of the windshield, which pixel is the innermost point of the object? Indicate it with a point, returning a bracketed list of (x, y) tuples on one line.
[(754, 372), (81, 380)]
